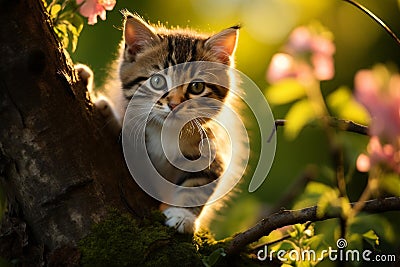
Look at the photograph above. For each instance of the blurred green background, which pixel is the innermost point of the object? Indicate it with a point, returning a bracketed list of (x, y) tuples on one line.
[(360, 43)]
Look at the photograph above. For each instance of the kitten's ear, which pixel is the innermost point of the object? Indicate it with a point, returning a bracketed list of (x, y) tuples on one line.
[(137, 34), (223, 44)]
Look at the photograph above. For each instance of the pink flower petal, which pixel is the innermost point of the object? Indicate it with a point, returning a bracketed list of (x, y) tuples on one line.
[(363, 163), (93, 8), (108, 4), (323, 66), (366, 89), (322, 45), (381, 97), (281, 67), (300, 39)]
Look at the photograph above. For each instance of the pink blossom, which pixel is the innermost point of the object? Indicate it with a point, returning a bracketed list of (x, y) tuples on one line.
[(323, 66), (282, 66), (379, 154), (93, 8), (382, 100), (379, 92), (322, 45), (363, 163), (299, 40), (308, 55), (285, 66)]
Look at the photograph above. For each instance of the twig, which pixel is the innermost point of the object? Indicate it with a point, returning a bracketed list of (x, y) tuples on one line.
[(348, 126), (280, 123), (289, 217), (340, 124), (375, 18)]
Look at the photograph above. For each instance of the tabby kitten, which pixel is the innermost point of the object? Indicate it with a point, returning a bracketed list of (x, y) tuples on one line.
[(144, 52)]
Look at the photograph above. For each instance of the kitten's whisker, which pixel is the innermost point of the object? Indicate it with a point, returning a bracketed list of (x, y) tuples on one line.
[(204, 135)]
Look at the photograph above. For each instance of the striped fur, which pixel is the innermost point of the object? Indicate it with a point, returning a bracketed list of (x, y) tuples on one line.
[(147, 50)]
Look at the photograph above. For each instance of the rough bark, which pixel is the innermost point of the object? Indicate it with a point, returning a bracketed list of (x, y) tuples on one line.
[(60, 168)]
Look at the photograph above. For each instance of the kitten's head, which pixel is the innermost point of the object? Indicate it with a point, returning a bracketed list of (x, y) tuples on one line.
[(151, 52)]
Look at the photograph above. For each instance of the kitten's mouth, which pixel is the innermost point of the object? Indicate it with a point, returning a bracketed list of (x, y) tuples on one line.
[(175, 112)]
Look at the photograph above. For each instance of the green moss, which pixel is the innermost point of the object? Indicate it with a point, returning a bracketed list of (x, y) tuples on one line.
[(120, 240)]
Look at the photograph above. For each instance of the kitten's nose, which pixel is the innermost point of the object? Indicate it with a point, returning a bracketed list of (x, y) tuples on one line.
[(172, 105)]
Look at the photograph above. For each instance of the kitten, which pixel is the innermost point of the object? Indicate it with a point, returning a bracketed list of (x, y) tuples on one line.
[(145, 51)]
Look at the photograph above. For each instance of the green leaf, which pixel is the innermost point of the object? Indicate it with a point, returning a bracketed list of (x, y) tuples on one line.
[(343, 105), (331, 203), (54, 10), (213, 258), (303, 264), (74, 42), (287, 245), (382, 226), (315, 241), (74, 34), (285, 92), (68, 33), (68, 24), (391, 184), (311, 195), (71, 27), (325, 201), (62, 33), (372, 238), (338, 97), (297, 117), (77, 21)]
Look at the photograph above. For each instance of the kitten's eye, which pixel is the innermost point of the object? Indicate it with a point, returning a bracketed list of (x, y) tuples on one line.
[(158, 82), (196, 88)]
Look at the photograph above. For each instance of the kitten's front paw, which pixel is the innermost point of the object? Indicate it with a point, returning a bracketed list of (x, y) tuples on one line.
[(85, 74), (180, 218), (105, 107)]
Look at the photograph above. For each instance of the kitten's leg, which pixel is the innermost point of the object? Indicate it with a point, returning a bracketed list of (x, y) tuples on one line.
[(101, 102), (181, 218)]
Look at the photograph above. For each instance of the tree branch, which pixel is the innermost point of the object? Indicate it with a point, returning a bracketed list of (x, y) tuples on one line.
[(289, 217), (340, 124)]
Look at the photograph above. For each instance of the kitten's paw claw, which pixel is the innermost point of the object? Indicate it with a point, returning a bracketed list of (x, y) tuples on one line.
[(180, 218)]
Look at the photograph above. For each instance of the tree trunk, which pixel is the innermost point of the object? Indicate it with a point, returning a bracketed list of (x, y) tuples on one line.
[(60, 168)]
